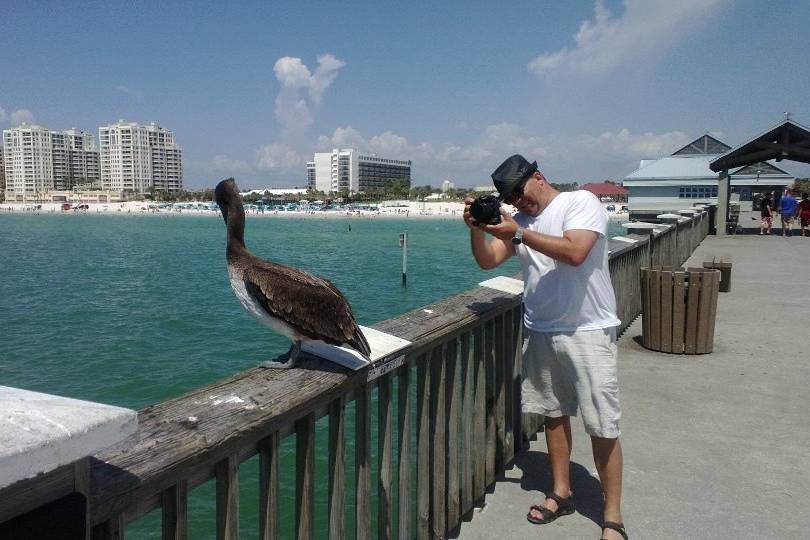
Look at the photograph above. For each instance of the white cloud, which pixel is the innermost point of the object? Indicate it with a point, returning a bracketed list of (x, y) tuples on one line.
[(645, 29), (133, 92), (2, 114), (610, 154), (22, 116), (279, 157), (293, 109), (228, 165), (625, 145)]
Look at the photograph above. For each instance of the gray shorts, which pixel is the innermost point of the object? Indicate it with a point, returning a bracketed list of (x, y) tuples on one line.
[(565, 373)]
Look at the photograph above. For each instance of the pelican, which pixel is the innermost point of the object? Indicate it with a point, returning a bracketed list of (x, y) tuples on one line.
[(292, 302)]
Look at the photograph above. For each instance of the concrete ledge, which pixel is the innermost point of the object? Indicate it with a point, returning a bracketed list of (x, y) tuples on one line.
[(40, 432)]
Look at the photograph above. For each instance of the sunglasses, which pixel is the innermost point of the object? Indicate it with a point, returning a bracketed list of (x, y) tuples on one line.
[(517, 193)]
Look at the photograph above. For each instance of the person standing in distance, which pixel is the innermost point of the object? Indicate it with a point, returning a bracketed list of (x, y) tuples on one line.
[(787, 210), (569, 354)]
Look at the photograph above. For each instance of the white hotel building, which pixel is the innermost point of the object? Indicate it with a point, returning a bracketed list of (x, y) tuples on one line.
[(37, 160), (348, 170), (139, 158)]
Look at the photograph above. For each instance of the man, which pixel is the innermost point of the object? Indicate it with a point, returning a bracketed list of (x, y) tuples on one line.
[(804, 215), (787, 209), (766, 219), (569, 355)]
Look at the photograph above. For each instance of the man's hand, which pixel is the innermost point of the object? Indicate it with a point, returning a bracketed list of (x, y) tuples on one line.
[(468, 219), (504, 230)]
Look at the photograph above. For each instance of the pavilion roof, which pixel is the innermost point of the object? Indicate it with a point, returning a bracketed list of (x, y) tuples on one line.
[(786, 140)]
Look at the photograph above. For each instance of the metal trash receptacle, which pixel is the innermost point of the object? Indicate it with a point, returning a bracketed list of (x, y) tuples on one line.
[(679, 308)]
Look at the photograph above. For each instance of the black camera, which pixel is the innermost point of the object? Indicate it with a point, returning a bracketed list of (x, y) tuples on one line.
[(486, 209)]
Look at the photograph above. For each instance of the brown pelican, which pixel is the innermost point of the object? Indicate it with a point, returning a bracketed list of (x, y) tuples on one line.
[(292, 302)]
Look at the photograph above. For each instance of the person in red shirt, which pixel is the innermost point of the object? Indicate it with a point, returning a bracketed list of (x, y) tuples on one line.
[(804, 215)]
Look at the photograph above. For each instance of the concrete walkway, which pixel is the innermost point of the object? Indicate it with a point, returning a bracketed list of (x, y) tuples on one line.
[(716, 446)]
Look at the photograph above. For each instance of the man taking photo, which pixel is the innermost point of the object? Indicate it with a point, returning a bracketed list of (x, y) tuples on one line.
[(569, 354)]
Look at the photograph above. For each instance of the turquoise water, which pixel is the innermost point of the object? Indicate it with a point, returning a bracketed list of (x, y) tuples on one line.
[(132, 310)]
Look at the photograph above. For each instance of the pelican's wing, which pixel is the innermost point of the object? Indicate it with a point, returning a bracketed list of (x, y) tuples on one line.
[(311, 305)]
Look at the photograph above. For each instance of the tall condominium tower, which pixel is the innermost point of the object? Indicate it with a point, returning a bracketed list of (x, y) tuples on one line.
[(2, 171), (348, 170), (75, 159), (139, 158), (28, 159), (40, 160)]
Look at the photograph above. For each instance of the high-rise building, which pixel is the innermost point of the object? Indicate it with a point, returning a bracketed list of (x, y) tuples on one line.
[(38, 160), (28, 158), (348, 170), (139, 158), (75, 159), (2, 171)]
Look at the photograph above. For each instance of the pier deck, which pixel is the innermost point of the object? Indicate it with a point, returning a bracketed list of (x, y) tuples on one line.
[(715, 446)]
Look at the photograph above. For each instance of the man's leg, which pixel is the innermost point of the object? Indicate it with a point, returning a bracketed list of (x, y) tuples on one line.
[(558, 441), (607, 455)]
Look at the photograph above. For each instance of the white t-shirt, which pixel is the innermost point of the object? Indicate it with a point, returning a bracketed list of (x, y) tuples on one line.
[(558, 297)]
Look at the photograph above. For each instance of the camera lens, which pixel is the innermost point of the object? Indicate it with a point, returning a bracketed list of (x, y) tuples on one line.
[(486, 209)]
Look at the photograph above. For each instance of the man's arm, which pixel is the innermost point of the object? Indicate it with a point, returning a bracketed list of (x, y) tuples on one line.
[(488, 254), (572, 248)]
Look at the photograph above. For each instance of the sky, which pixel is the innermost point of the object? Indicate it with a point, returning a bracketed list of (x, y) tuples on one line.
[(251, 90)]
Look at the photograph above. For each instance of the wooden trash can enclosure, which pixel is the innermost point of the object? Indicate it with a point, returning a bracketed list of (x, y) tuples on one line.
[(725, 272), (679, 308)]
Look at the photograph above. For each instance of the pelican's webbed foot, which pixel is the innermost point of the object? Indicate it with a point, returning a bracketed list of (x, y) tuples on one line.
[(291, 361)]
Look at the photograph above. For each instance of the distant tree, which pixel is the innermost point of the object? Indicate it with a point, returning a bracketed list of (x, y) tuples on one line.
[(802, 185)]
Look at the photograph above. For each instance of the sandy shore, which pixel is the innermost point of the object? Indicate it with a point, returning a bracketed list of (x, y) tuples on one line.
[(399, 209)]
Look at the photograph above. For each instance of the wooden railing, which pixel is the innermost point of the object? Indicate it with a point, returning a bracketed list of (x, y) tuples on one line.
[(464, 365)]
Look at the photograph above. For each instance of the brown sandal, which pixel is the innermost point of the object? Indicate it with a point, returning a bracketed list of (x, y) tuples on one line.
[(565, 506), (618, 527)]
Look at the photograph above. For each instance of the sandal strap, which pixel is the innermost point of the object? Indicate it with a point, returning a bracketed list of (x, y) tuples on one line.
[(618, 527), (561, 501)]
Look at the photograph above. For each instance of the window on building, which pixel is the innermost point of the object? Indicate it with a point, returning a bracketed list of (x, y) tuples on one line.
[(697, 192)]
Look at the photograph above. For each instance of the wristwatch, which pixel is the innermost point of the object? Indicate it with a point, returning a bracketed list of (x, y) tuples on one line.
[(518, 238)]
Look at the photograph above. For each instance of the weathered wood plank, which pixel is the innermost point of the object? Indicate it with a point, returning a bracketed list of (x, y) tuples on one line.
[(111, 529), (500, 392), (175, 512), (28, 494), (362, 457), (438, 442), (268, 487), (479, 415), (404, 406), (337, 469), (453, 405), (517, 366), (384, 458), (695, 282), (678, 311), (305, 477), (666, 311), (423, 388), (467, 426), (227, 480), (654, 280), (491, 436), (508, 369), (712, 315), (645, 307), (711, 280)]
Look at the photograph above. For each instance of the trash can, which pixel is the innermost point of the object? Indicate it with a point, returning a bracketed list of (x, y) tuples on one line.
[(725, 272), (679, 308)]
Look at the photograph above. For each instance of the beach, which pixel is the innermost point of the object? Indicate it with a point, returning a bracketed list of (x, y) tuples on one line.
[(386, 209)]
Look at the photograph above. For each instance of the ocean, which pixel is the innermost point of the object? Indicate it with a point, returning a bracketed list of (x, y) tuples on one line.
[(132, 310)]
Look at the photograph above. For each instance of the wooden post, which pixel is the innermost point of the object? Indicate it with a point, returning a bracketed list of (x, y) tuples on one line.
[(723, 198), (403, 243)]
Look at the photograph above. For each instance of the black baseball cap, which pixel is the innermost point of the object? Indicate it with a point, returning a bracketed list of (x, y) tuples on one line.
[(511, 173)]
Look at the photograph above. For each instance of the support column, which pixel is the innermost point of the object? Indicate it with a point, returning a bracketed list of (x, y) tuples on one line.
[(723, 198)]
